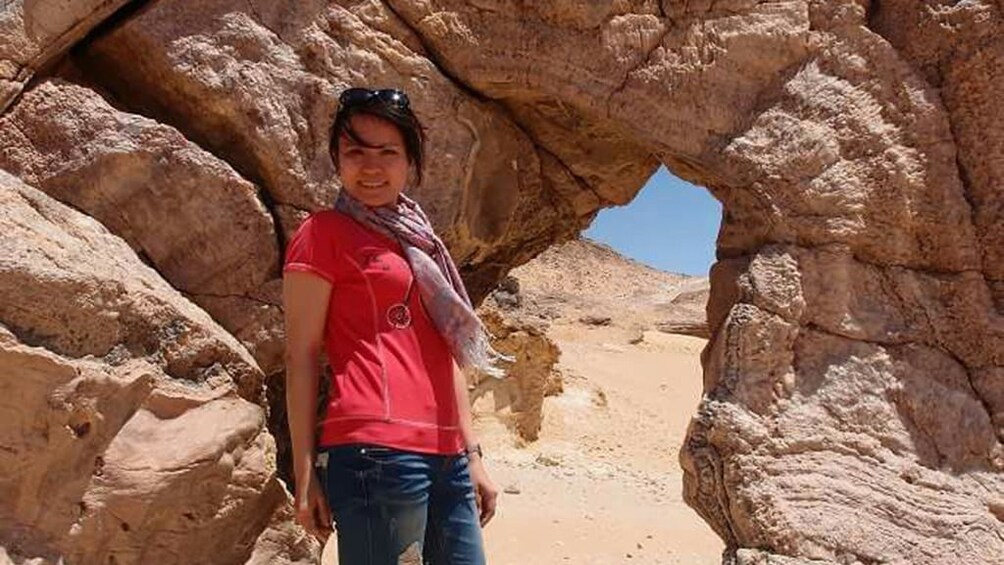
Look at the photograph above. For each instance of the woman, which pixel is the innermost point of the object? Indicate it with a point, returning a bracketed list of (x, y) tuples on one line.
[(369, 284)]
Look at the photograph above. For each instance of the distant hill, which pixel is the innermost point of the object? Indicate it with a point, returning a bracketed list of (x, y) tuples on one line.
[(589, 281)]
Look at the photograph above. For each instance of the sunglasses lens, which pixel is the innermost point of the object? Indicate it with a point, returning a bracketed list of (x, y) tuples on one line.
[(353, 96), (393, 96)]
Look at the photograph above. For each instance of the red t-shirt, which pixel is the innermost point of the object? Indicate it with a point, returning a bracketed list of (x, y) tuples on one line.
[(390, 386)]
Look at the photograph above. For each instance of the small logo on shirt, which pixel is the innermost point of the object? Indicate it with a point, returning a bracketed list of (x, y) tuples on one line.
[(374, 259)]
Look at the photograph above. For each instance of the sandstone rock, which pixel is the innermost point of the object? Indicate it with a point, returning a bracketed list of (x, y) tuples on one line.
[(284, 542), (258, 87), (200, 224), (506, 294), (852, 406), (197, 222), (533, 375), (229, 83), (686, 312), (133, 428), (860, 415), (959, 49), (90, 295), (255, 319), (34, 34), (903, 205), (989, 384), (645, 77), (757, 557)]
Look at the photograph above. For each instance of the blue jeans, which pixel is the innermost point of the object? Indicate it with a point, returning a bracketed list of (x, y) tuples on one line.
[(393, 506)]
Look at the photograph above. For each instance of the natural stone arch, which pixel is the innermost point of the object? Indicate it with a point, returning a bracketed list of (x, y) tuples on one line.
[(854, 381)]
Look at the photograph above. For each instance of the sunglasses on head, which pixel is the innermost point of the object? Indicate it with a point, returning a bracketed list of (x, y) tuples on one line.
[(362, 96)]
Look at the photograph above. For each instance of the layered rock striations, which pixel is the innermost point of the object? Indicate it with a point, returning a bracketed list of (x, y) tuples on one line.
[(854, 377)]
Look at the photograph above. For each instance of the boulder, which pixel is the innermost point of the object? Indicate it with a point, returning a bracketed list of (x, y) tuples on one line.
[(134, 430), (190, 215), (533, 375)]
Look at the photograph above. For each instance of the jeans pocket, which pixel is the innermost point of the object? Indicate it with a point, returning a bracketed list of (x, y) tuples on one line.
[(350, 477), (376, 455)]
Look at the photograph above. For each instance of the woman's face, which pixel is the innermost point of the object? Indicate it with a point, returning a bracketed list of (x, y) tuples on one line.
[(375, 173)]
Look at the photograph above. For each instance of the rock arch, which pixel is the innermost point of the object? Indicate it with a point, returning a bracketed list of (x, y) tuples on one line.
[(854, 382)]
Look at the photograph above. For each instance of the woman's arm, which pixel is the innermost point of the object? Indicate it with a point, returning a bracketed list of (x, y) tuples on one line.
[(305, 304), (485, 490)]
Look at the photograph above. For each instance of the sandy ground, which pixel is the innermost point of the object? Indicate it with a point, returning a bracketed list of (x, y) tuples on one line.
[(602, 485)]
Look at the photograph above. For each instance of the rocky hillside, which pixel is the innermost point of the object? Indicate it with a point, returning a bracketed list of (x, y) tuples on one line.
[(590, 282)]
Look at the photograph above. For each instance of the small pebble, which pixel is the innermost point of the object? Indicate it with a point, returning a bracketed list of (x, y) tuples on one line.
[(512, 489)]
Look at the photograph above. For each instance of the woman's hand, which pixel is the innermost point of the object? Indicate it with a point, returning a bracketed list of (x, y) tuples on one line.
[(485, 492), (312, 509)]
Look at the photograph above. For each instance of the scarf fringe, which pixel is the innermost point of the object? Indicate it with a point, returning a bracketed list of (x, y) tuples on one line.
[(479, 355)]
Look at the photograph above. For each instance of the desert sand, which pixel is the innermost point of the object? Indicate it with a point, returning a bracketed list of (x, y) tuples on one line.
[(602, 484)]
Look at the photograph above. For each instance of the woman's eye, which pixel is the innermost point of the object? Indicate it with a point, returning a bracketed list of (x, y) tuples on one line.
[(389, 152), (353, 152)]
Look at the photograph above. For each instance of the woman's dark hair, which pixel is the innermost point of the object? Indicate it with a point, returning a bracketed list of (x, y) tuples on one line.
[(389, 105)]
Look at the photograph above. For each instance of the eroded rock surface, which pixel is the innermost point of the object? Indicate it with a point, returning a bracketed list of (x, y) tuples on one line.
[(959, 49), (189, 214), (133, 427), (258, 86), (853, 382), (533, 374), (34, 33)]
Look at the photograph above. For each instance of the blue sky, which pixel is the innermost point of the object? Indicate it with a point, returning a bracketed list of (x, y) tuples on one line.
[(671, 225)]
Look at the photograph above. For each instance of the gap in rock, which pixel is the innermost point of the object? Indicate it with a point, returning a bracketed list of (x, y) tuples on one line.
[(671, 225), (625, 304)]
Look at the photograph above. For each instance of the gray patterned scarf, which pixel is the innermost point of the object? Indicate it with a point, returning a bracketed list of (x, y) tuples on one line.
[(439, 284)]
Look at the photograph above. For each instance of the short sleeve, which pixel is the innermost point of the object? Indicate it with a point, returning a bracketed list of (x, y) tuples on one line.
[(313, 249)]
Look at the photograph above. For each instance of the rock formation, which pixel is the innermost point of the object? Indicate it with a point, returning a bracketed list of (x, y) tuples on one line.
[(686, 312), (36, 34), (133, 424), (532, 376), (854, 379), (195, 220)]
